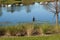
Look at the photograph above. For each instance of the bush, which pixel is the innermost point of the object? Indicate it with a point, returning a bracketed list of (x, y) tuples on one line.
[(47, 28), (37, 30), (28, 29), (2, 31)]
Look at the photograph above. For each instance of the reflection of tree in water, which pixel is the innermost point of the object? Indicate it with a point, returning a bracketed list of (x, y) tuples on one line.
[(18, 8), (11, 9), (14, 8), (0, 10), (28, 9)]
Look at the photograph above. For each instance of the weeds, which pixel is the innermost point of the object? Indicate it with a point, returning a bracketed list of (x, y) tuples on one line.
[(27, 29)]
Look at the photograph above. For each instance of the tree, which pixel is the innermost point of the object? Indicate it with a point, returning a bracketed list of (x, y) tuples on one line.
[(54, 8), (3, 1), (0, 2), (10, 1)]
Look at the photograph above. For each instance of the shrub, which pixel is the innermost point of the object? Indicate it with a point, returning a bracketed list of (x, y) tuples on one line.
[(29, 27), (37, 30), (2, 31), (47, 28)]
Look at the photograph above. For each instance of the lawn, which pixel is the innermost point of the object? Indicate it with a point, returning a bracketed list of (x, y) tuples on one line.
[(52, 37)]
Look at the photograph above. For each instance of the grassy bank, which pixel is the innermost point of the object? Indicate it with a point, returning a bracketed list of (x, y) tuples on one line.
[(52, 37), (28, 29)]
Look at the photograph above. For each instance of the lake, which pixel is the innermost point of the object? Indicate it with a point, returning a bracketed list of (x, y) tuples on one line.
[(25, 13)]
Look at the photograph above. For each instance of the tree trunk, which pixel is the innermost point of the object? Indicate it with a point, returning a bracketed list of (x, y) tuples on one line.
[(57, 15), (56, 22)]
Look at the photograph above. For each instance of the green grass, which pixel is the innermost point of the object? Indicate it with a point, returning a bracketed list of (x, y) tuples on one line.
[(52, 37), (28, 28), (31, 27)]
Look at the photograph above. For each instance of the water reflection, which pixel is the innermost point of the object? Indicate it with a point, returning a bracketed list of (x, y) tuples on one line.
[(0, 11), (36, 12), (28, 9), (14, 8), (17, 8), (11, 9)]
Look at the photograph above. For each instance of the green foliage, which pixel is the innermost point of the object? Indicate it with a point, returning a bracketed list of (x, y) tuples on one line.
[(2, 31), (25, 29), (26, 2)]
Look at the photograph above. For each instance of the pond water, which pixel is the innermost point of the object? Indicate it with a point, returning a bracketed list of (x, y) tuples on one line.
[(18, 14)]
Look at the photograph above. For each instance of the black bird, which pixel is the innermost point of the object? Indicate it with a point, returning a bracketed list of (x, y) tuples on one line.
[(33, 19)]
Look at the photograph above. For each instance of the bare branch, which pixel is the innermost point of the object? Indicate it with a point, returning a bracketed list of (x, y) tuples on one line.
[(51, 6)]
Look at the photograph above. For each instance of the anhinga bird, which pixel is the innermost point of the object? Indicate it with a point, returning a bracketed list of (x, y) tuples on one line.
[(33, 19)]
